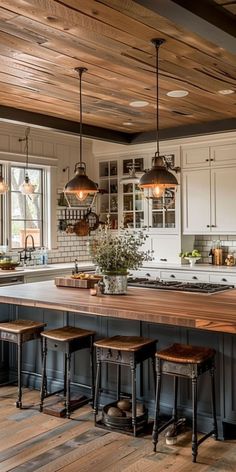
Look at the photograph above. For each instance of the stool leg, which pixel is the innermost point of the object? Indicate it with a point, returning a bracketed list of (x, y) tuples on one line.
[(65, 374), (213, 396), (68, 366), (19, 375), (43, 391), (194, 426), (92, 369), (157, 405), (174, 414), (118, 382), (97, 386), (154, 372), (133, 377)]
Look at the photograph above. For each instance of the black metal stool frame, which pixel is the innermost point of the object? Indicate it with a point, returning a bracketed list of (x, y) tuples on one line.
[(122, 358), (191, 371), (68, 348), (19, 339)]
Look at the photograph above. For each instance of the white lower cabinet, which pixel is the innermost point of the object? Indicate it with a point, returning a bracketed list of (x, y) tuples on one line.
[(223, 279), (184, 276)]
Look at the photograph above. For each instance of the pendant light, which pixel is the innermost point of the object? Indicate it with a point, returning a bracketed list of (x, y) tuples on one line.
[(81, 185), (3, 185), (27, 188), (158, 177), (132, 178)]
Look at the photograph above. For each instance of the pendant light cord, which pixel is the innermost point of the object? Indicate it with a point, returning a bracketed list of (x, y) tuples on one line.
[(80, 71), (80, 114), (157, 43)]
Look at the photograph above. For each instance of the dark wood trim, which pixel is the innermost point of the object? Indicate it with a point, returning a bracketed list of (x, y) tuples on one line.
[(188, 131), (50, 122), (199, 17), (212, 12), (93, 132)]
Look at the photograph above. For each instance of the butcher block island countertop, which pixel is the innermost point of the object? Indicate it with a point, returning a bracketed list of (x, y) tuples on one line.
[(213, 312)]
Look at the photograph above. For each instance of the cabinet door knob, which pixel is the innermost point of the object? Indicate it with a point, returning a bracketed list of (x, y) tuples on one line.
[(208, 226), (194, 277), (207, 160), (213, 226), (148, 275), (172, 276), (223, 280), (163, 260)]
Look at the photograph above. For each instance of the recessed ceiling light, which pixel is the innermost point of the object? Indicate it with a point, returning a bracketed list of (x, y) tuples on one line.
[(128, 123), (139, 103), (226, 91), (177, 93)]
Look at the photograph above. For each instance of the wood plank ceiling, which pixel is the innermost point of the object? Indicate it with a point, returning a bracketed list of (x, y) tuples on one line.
[(42, 41)]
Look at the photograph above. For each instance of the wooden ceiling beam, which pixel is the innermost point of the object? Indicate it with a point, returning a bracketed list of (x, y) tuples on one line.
[(202, 18)]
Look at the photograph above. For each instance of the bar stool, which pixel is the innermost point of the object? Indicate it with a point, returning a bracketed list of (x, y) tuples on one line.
[(182, 360), (67, 340), (123, 351), (19, 332)]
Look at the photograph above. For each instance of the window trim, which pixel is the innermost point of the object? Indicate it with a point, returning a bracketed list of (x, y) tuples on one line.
[(46, 204)]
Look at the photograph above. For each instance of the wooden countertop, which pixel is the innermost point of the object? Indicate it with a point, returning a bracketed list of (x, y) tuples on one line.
[(214, 312)]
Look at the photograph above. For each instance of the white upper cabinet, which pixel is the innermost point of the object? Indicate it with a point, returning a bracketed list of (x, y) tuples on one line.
[(209, 197), (196, 201), (224, 154), (195, 156), (223, 198), (212, 155)]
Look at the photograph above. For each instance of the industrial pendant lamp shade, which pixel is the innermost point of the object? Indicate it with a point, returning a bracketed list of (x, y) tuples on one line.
[(81, 185), (27, 188), (158, 178)]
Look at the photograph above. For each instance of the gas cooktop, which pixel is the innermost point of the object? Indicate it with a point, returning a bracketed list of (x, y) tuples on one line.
[(175, 285)]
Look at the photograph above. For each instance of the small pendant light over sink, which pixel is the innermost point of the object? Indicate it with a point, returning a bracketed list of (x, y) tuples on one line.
[(81, 185), (27, 188), (158, 177)]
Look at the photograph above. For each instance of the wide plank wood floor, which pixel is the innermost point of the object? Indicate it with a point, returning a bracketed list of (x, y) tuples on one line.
[(32, 441)]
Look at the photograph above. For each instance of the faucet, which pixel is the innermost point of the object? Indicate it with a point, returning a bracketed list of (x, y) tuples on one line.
[(25, 254)]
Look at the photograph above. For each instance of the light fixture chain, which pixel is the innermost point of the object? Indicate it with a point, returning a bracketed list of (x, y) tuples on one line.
[(157, 95), (81, 115)]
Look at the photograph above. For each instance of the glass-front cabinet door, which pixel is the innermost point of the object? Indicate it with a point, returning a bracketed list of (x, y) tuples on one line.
[(163, 210), (132, 196), (127, 205), (108, 183)]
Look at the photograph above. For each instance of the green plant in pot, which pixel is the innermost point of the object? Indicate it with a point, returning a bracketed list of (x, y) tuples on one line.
[(116, 254)]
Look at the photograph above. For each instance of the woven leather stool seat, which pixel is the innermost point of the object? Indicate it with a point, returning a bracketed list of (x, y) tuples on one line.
[(19, 332), (67, 339), (123, 351), (183, 360), (185, 353)]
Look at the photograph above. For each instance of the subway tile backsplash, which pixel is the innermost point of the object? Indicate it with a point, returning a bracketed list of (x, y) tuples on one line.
[(205, 243)]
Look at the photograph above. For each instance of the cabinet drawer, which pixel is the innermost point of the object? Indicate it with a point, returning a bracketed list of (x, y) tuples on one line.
[(223, 279), (185, 276)]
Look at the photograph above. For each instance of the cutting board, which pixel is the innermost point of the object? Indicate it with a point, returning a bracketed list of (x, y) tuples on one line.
[(68, 281)]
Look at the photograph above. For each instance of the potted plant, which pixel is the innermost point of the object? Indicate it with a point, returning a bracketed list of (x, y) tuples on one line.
[(192, 256), (116, 254)]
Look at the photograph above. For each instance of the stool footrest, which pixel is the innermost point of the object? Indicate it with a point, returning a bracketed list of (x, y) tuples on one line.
[(206, 436)]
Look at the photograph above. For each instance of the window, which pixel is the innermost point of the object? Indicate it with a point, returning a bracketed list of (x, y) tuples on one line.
[(26, 214)]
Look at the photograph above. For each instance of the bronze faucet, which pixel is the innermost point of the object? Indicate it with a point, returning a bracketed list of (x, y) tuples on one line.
[(25, 254)]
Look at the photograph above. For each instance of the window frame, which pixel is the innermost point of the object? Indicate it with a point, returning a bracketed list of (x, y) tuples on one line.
[(5, 207)]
